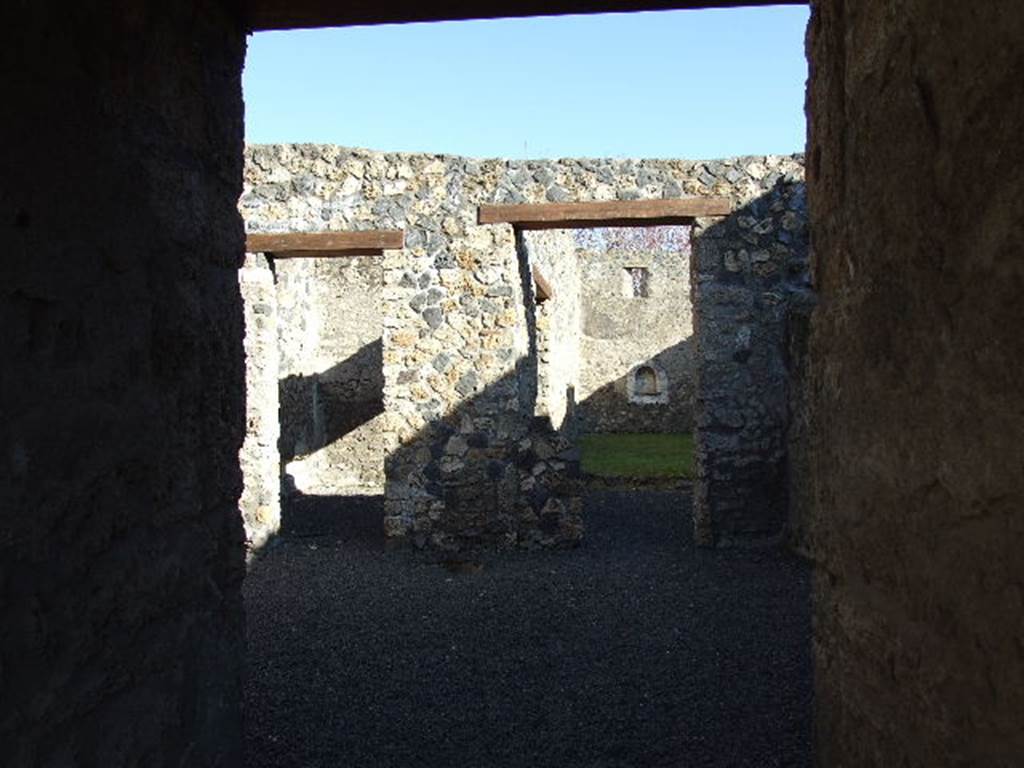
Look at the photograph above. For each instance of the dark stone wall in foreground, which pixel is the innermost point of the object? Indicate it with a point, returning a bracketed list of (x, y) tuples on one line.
[(121, 388), (915, 390)]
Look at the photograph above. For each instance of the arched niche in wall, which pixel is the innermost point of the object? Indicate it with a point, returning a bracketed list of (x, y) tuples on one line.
[(647, 384)]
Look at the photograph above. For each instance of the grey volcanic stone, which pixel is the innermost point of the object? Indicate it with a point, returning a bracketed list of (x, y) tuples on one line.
[(418, 302), (543, 176), (557, 194), (433, 316), (468, 383)]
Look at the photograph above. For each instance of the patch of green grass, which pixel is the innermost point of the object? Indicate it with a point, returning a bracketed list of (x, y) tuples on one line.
[(635, 455)]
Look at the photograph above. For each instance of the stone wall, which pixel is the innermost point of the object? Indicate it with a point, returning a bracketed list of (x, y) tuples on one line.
[(747, 269), (121, 389), (332, 377), (623, 331), (914, 385), (259, 458), (460, 332)]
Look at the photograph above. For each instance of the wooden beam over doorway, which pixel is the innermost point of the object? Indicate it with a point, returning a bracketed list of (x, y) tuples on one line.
[(367, 242), (604, 214)]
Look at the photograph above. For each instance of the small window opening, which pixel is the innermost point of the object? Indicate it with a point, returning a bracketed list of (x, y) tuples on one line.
[(638, 282)]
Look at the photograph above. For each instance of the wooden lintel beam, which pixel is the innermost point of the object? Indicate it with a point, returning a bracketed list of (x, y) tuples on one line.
[(604, 214), (544, 289), (327, 254), (352, 243)]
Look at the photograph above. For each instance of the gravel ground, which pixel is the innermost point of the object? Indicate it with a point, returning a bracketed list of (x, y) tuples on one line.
[(637, 649)]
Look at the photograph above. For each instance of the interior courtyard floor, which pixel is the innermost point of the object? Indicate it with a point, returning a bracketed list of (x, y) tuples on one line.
[(635, 649)]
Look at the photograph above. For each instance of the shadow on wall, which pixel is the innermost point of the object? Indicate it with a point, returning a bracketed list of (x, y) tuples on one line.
[(319, 409), (749, 269), (609, 409), (485, 472), (472, 466), (484, 469), (488, 471)]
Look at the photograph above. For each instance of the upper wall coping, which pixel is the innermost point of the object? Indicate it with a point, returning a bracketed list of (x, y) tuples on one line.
[(516, 162)]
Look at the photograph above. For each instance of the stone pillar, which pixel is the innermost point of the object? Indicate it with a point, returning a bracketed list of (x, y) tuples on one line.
[(744, 269), (557, 321), (259, 459), (550, 505), (454, 347)]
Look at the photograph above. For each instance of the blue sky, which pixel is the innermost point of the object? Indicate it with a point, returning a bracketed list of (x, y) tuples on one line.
[(694, 84)]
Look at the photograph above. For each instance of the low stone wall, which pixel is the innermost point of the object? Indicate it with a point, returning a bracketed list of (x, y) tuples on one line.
[(461, 333)]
